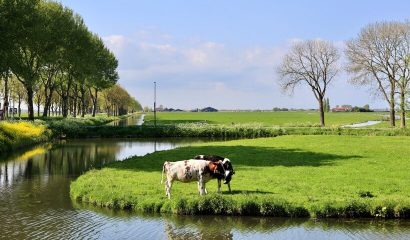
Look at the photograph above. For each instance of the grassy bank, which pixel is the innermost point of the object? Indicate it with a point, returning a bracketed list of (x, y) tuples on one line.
[(70, 126), (283, 119), (289, 176), (223, 131), (15, 135)]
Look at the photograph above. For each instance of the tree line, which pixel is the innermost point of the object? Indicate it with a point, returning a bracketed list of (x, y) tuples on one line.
[(49, 58), (379, 57)]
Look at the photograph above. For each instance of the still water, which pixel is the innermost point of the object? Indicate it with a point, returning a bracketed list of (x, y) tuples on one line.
[(136, 119), (35, 203)]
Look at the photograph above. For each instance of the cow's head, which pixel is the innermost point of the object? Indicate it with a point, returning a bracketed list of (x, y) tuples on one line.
[(217, 169), (227, 165)]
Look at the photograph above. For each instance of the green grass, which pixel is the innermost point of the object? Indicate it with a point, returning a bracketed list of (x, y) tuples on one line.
[(224, 131), (297, 176), (305, 119)]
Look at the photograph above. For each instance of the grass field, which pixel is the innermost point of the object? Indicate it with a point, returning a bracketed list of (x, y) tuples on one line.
[(267, 118), (317, 176)]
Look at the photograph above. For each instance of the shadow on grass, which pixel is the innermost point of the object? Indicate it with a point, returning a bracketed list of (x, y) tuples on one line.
[(241, 156), (236, 192)]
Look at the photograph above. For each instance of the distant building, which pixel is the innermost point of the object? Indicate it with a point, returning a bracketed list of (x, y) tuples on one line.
[(172, 110), (344, 108), (209, 109)]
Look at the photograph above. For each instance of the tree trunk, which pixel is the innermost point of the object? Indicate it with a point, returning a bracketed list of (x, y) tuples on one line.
[(392, 110), (322, 112), (19, 106), (95, 102), (403, 109), (47, 101), (6, 97), (64, 105), (75, 100), (82, 99), (30, 104)]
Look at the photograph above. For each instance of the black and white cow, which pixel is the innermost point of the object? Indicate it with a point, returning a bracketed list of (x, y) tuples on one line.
[(190, 170), (228, 169)]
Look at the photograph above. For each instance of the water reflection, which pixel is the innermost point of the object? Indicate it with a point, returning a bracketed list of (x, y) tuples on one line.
[(35, 203), (34, 184), (133, 120), (149, 226)]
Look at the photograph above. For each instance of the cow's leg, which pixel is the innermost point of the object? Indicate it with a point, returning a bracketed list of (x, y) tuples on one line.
[(229, 187), (219, 185), (199, 188), (204, 192), (168, 187)]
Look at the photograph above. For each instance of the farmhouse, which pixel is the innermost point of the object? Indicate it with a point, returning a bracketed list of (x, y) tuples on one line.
[(344, 108)]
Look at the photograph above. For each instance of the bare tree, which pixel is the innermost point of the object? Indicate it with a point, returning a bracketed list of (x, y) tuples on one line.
[(403, 53), (379, 57), (312, 63)]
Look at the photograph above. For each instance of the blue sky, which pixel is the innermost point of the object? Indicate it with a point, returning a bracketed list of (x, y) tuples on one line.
[(223, 53)]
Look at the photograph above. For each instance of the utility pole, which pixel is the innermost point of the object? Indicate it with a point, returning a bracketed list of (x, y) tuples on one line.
[(155, 104)]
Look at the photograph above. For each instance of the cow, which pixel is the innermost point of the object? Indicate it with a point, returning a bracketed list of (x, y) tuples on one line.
[(190, 170), (227, 165)]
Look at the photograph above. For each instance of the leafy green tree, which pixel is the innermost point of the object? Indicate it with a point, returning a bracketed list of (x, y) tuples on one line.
[(105, 72)]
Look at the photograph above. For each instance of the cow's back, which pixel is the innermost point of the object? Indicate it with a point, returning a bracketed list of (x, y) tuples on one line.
[(189, 170)]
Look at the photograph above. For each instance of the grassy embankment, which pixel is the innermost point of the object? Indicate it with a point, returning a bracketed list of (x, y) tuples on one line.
[(21, 134), (298, 176), (241, 125), (16, 134)]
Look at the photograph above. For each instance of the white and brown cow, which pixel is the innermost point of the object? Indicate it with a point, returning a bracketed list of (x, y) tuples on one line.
[(189, 171)]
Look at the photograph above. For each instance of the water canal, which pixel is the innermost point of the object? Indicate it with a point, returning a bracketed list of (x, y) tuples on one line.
[(35, 203)]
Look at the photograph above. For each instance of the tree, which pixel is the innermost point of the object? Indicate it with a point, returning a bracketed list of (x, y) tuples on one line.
[(378, 57), (30, 43), (312, 63), (39, 98), (17, 92), (327, 105), (105, 72)]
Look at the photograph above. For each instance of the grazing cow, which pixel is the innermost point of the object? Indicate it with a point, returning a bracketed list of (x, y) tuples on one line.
[(227, 165), (189, 171)]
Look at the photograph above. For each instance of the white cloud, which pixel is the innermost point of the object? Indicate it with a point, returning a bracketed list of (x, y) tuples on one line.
[(192, 73), (115, 42)]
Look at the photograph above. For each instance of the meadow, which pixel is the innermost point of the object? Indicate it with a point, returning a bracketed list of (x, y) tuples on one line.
[(287, 119), (286, 176)]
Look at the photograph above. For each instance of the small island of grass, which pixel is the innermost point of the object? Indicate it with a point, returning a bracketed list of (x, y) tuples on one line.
[(286, 176)]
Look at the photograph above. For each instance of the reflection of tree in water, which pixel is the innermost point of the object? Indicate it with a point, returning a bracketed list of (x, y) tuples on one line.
[(67, 159)]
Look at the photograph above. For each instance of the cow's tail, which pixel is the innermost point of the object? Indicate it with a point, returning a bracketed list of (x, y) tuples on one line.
[(163, 171)]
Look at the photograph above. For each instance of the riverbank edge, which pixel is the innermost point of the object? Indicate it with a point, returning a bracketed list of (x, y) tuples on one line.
[(73, 129), (15, 135), (226, 205), (23, 134), (239, 131)]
